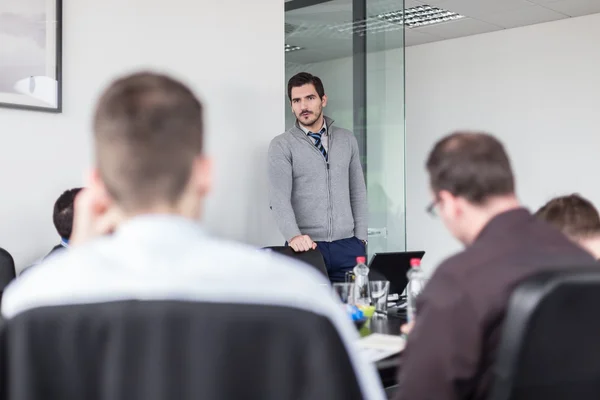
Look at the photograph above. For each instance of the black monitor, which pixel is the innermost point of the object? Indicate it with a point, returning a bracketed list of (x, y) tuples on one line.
[(393, 267)]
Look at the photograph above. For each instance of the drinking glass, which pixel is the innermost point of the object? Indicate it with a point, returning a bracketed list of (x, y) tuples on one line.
[(379, 296), (345, 292)]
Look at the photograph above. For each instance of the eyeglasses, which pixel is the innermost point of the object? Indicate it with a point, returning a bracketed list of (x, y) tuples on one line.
[(431, 208)]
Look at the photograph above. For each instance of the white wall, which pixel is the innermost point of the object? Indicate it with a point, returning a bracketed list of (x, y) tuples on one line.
[(234, 63), (536, 88)]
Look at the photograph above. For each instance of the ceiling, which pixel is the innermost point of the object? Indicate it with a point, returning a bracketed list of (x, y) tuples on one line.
[(322, 30)]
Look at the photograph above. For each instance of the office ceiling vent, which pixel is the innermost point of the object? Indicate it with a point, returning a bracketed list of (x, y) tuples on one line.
[(419, 16), (289, 48)]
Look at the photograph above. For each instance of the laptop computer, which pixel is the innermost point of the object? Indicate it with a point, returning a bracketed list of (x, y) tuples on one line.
[(393, 267)]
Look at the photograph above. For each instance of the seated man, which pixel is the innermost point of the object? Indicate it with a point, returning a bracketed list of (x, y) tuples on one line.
[(135, 232), (63, 222), (451, 348), (63, 219), (577, 218)]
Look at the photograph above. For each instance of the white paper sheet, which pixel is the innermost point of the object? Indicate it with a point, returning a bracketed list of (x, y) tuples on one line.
[(377, 346)]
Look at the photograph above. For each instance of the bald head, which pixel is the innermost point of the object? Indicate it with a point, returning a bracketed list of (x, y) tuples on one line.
[(472, 165)]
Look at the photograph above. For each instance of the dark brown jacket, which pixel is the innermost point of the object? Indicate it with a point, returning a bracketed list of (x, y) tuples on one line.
[(452, 347)]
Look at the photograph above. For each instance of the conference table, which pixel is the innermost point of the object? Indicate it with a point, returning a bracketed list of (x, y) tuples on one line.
[(388, 368)]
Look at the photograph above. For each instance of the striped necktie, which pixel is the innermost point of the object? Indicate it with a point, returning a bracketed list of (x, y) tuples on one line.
[(318, 143)]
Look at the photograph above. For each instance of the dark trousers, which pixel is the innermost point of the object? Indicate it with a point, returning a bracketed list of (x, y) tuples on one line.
[(340, 256)]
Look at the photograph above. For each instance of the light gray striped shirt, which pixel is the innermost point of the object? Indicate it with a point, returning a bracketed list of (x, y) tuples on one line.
[(324, 138)]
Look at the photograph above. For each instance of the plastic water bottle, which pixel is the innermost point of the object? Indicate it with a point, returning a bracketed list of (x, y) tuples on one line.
[(362, 293), (416, 283)]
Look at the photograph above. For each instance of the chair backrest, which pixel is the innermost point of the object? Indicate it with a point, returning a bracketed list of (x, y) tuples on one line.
[(550, 345), (7, 268), (313, 258), (165, 350)]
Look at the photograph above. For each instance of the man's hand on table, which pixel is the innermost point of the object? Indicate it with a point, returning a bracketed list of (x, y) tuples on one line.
[(406, 328)]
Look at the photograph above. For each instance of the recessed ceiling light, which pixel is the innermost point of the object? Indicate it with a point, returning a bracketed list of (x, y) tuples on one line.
[(396, 20), (419, 16), (289, 48)]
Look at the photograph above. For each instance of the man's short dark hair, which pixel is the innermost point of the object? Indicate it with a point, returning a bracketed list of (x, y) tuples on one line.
[(472, 165), (63, 212), (574, 215), (304, 78), (148, 131)]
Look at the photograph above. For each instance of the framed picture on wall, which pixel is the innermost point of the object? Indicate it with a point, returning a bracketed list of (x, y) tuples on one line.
[(30, 54)]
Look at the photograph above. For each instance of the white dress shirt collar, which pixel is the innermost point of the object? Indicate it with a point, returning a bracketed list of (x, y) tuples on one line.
[(307, 131), (150, 224)]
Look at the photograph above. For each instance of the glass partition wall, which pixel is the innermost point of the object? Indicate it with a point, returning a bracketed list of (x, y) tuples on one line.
[(357, 48)]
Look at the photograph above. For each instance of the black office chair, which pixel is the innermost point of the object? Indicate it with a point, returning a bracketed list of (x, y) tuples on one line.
[(313, 258), (166, 350), (7, 270), (550, 345)]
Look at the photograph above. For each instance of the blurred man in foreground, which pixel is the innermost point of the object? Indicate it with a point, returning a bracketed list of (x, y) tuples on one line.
[(452, 346), (136, 234)]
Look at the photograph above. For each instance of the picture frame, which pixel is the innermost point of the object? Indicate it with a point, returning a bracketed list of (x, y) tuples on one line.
[(31, 55)]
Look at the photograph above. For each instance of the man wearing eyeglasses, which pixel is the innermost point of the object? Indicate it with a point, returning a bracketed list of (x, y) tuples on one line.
[(452, 345)]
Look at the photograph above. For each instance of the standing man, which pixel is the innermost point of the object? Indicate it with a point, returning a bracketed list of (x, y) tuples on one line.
[(317, 187)]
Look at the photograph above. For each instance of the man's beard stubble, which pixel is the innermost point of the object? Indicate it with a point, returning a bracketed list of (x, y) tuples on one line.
[(310, 122)]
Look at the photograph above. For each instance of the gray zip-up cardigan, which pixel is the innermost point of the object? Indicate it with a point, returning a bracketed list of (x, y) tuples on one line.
[(326, 200)]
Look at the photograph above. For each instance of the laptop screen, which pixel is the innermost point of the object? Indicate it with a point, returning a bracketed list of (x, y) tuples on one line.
[(393, 267)]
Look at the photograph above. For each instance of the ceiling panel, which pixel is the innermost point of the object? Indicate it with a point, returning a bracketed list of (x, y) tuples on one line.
[(523, 16), (575, 8), (414, 3), (478, 8), (437, 3), (413, 37), (329, 12), (381, 6), (318, 29), (458, 28)]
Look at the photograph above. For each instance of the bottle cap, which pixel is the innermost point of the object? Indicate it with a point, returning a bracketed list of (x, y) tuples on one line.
[(415, 262), (361, 260)]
